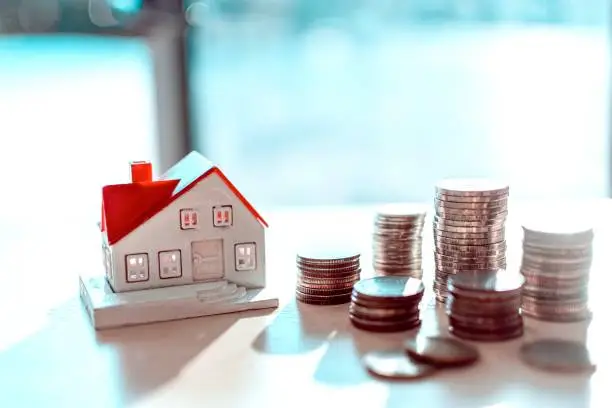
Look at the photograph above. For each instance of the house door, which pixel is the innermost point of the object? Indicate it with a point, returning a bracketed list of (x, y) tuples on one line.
[(207, 259)]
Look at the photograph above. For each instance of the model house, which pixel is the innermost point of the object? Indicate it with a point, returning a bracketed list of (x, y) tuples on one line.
[(191, 225)]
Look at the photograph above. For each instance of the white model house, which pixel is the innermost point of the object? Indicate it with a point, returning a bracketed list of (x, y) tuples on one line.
[(192, 225), (187, 244)]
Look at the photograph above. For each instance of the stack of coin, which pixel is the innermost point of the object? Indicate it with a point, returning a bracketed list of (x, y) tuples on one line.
[(327, 279), (387, 303), (485, 305), (556, 265), (469, 228), (397, 240)]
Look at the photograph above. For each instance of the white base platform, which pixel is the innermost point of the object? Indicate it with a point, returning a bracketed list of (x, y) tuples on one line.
[(108, 309)]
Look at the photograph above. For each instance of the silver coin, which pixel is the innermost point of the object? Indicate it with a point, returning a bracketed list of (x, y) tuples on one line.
[(498, 281), (545, 293), (389, 287), (468, 258), (473, 212), (327, 256), (472, 187), (470, 199), (467, 241), (398, 261), (503, 203), (441, 351), (481, 219), (540, 258), (488, 248), (555, 310), (558, 252), (558, 355), (460, 266), (468, 229), (549, 275), (395, 364), (494, 235), (444, 221), (398, 269), (556, 281), (555, 268)]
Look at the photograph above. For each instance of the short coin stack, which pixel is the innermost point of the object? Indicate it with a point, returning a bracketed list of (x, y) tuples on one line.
[(556, 265), (469, 228), (397, 240), (387, 303), (326, 279), (485, 305)]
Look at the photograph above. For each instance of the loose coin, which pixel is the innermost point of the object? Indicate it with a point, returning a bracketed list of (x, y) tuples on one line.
[(441, 351), (558, 356), (396, 365)]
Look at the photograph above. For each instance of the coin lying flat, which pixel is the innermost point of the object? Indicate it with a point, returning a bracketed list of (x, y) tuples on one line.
[(396, 365), (441, 351), (558, 356)]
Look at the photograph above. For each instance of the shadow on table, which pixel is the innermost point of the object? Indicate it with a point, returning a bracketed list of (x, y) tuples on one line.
[(499, 378), (148, 356), (300, 328)]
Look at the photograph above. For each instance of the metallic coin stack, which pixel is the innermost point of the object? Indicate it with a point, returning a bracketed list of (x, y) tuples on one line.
[(397, 240), (469, 228), (485, 305), (327, 279), (387, 303), (556, 265)]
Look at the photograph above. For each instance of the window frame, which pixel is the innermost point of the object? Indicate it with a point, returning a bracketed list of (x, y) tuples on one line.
[(127, 267), (180, 263), (254, 255)]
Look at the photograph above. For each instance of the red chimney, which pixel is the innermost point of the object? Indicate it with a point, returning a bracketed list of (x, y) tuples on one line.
[(142, 171)]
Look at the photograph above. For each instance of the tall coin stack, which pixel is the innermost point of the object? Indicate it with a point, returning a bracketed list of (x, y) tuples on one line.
[(556, 265), (326, 279), (469, 228), (398, 240), (485, 306)]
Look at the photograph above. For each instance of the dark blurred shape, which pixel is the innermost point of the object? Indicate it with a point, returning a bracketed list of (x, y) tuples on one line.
[(161, 23)]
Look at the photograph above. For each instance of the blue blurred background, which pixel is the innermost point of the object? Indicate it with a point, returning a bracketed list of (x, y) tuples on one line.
[(308, 102)]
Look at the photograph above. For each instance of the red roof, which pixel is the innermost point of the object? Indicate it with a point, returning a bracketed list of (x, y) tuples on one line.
[(127, 206)]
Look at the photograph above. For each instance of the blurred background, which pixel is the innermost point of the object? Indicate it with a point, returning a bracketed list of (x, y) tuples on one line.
[(302, 102)]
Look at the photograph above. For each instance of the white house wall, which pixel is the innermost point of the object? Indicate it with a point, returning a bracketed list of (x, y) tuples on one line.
[(163, 233)]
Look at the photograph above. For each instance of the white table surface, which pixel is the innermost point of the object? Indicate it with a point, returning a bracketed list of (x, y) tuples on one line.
[(297, 355)]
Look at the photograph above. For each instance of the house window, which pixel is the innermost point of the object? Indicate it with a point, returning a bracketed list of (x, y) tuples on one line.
[(245, 257), (137, 267), (189, 219), (170, 264), (222, 216)]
